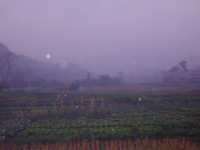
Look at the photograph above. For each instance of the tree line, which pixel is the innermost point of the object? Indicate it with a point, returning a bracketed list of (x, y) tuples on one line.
[(17, 71), (101, 81)]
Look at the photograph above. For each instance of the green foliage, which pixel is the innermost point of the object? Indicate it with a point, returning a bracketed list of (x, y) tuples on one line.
[(121, 116), (113, 130)]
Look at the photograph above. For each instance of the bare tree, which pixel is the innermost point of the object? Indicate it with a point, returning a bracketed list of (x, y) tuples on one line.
[(6, 67)]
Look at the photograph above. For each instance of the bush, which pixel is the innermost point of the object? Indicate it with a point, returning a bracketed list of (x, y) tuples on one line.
[(75, 85), (103, 80)]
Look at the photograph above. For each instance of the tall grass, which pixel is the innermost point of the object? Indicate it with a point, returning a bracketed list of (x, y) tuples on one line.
[(146, 144)]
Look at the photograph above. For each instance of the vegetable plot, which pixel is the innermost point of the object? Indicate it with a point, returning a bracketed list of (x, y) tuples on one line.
[(58, 132)]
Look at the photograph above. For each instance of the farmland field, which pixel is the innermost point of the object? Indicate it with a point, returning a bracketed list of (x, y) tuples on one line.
[(145, 112)]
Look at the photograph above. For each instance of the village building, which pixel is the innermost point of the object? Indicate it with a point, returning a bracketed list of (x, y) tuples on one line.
[(192, 75)]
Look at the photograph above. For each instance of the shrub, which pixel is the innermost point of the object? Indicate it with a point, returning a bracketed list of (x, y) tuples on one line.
[(75, 85)]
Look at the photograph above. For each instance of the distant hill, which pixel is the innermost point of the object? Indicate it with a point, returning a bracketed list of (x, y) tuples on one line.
[(3, 48), (27, 69)]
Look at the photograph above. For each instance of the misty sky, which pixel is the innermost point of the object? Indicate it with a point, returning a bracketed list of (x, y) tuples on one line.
[(103, 36)]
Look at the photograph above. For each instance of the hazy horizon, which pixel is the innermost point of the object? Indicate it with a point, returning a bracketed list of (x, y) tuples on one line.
[(103, 36)]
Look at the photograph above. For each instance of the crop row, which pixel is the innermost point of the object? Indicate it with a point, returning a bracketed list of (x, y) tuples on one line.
[(61, 135), (69, 112), (187, 128), (184, 123)]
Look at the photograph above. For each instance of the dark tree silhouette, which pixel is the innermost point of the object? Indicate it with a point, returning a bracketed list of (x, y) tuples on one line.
[(5, 66), (88, 76), (183, 65), (75, 85)]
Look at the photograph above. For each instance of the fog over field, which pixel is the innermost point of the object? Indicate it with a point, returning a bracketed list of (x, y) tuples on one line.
[(107, 36), (100, 74)]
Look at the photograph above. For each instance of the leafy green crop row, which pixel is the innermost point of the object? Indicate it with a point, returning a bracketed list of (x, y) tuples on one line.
[(110, 130)]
